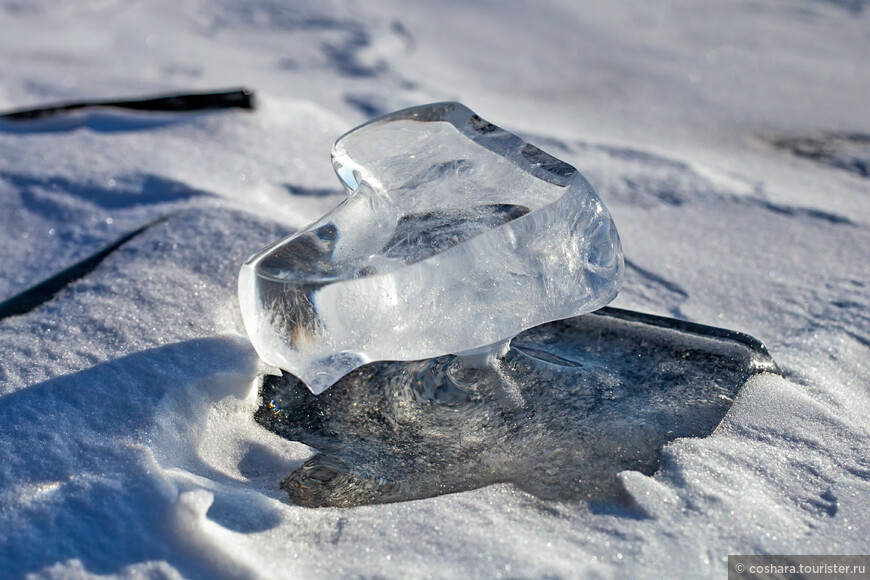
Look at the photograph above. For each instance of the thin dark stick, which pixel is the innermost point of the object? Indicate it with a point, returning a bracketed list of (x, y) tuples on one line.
[(47, 290), (242, 98)]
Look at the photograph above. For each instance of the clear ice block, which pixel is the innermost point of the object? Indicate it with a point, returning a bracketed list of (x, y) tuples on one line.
[(456, 236)]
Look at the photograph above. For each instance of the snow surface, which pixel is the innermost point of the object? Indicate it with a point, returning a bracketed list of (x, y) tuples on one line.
[(127, 443)]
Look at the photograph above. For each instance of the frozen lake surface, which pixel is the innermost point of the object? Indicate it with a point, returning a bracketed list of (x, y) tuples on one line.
[(728, 140)]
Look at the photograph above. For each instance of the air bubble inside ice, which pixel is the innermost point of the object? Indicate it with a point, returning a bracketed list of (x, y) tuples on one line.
[(455, 235)]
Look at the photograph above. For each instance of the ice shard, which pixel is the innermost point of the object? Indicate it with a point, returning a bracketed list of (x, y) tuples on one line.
[(456, 236)]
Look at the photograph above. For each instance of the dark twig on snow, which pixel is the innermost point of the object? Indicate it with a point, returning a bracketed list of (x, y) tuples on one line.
[(241, 98)]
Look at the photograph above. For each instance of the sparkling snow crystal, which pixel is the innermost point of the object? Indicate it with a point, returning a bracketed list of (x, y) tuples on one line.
[(456, 235)]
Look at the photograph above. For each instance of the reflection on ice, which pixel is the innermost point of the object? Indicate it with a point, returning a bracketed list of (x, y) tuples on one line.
[(569, 406)]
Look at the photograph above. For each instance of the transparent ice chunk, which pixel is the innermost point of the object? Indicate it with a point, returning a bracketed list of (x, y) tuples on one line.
[(455, 235)]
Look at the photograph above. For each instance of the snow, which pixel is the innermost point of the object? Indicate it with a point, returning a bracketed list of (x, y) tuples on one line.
[(127, 441)]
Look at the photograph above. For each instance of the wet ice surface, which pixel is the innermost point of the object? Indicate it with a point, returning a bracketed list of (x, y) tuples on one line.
[(128, 445), (595, 396), (456, 236)]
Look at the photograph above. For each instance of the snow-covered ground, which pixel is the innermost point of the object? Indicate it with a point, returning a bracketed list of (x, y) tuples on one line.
[(730, 140)]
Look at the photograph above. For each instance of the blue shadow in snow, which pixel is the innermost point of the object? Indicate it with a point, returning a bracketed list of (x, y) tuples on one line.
[(137, 190), (100, 121), (77, 477)]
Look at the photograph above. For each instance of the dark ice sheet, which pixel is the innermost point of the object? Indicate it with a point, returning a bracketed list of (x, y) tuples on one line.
[(572, 404)]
